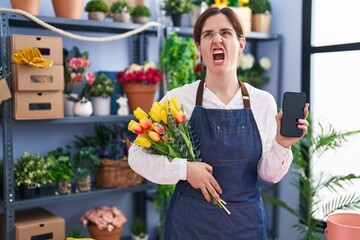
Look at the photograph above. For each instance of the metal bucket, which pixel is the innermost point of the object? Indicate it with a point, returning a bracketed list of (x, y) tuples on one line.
[(342, 226)]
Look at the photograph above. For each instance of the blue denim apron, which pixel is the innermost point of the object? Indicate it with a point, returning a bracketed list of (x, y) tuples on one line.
[(230, 142)]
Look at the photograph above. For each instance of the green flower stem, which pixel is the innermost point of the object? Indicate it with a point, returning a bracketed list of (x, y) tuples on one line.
[(220, 204)]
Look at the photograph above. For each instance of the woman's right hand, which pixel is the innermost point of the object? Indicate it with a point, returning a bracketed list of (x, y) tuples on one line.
[(199, 175)]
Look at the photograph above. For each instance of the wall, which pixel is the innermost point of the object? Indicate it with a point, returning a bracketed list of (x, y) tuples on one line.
[(286, 20)]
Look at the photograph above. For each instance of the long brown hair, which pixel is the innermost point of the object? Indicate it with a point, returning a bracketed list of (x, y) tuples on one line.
[(228, 12)]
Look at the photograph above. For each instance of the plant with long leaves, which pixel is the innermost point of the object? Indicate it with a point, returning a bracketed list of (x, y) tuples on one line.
[(309, 185)]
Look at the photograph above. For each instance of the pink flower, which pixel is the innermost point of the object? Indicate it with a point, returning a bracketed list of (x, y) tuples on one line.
[(90, 78), (105, 217)]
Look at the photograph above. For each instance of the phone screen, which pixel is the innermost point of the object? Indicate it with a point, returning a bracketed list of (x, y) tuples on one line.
[(293, 110)]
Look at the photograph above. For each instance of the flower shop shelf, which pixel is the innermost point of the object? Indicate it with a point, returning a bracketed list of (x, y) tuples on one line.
[(188, 32), (91, 119), (17, 20), (47, 195)]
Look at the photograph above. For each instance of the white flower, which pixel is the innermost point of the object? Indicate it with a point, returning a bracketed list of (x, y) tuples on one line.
[(265, 63), (246, 61), (133, 67), (149, 65)]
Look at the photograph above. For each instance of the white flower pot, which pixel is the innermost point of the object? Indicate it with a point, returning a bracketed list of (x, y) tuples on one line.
[(101, 105), (133, 237), (83, 108), (69, 105)]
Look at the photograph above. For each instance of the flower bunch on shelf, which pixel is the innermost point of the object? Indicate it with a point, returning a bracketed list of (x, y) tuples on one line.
[(75, 72), (146, 74), (251, 71), (165, 131), (228, 3), (104, 218)]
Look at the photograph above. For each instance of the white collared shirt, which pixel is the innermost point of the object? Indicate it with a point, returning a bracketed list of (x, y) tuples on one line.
[(275, 160)]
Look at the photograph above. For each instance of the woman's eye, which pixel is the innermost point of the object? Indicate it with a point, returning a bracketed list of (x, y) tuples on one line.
[(226, 33)]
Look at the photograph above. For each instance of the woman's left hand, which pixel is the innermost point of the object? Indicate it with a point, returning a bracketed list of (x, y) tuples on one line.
[(303, 124)]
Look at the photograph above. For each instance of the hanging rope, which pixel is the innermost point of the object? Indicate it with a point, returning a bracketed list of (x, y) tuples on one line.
[(79, 37)]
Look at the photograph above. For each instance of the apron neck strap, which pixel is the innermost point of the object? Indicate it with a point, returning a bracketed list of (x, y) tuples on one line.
[(200, 91)]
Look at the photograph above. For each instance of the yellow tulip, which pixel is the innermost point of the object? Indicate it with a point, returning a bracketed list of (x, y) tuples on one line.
[(158, 112), (145, 123), (154, 136), (135, 127), (139, 113), (243, 2), (179, 116), (221, 3), (142, 141), (157, 127)]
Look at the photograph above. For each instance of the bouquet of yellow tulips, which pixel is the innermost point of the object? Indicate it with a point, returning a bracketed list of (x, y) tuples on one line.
[(165, 131)]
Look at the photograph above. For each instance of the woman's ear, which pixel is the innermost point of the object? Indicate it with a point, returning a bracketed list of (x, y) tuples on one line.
[(242, 43), (198, 47)]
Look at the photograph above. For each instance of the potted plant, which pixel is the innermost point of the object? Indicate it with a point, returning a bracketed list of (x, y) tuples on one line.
[(100, 92), (111, 143), (86, 162), (30, 172), (178, 60), (96, 9), (120, 11), (60, 169), (312, 206), (104, 223), (251, 71), (139, 229), (140, 14), (140, 82), (176, 9), (261, 15), (76, 64)]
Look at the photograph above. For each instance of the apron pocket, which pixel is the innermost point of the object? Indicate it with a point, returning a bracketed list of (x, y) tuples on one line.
[(227, 138)]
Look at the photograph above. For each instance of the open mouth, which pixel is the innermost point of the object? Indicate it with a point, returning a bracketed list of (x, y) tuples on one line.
[(218, 56)]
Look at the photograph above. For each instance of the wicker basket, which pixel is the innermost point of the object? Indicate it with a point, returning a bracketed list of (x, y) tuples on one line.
[(116, 174)]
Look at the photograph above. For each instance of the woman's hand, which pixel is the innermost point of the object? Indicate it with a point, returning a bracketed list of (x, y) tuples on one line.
[(199, 176), (303, 124)]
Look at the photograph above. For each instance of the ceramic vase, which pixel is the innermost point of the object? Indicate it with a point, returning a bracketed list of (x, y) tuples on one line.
[(69, 104), (63, 187), (83, 184), (83, 108), (121, 17), (141, 20), (101, 105), (98, 16)]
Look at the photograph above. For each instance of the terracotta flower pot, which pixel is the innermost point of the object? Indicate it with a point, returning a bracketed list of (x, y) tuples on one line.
[(343, 226), (30, 6), (98, 234), (140, 95), (68, 8)]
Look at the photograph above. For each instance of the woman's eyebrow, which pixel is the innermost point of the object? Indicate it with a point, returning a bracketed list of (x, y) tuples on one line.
[(221, 30)]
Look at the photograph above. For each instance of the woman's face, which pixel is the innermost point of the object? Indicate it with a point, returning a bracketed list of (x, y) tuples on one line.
[(219, 45)]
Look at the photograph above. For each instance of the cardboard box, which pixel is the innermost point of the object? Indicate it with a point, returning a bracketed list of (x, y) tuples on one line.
[(4, 90), (50, 47), (38, 105), (28, 78), (37, 224)]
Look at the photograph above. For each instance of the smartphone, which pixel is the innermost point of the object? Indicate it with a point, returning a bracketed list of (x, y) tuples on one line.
[(293, 110)]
